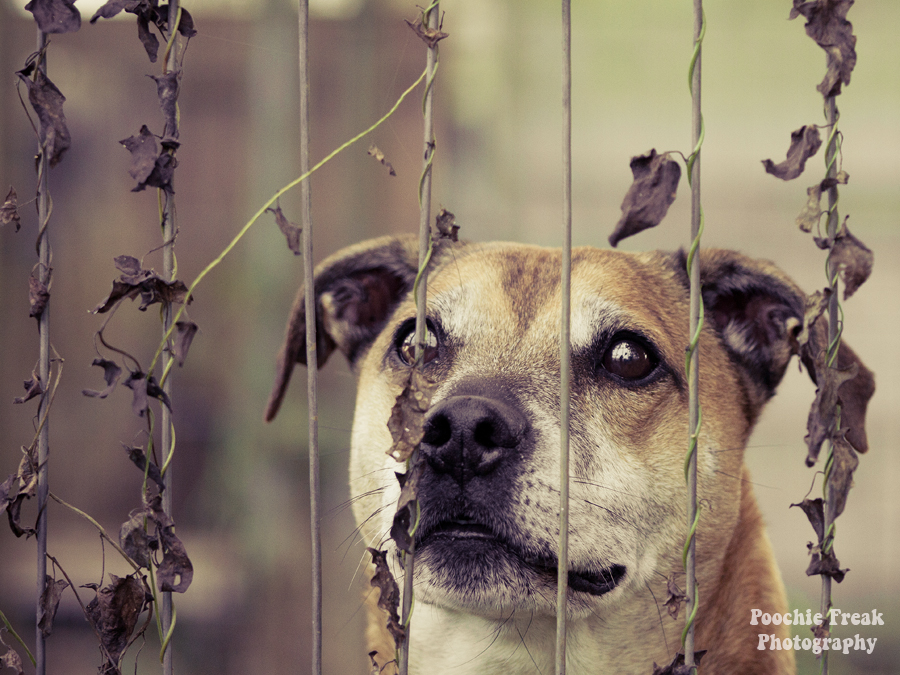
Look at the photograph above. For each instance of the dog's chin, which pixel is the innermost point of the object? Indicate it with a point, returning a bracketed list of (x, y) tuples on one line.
[(466, 566)]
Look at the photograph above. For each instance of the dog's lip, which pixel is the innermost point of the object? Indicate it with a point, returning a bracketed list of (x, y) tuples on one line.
[(594, 583)]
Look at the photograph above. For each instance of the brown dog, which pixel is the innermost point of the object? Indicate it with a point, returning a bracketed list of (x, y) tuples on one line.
[(486, 542)]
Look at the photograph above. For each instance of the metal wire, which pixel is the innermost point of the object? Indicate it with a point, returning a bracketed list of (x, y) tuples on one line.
[(311, 355), (562, 580)]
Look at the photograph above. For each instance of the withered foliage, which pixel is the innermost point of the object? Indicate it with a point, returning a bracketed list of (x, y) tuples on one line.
[(9, 211), (430, 36), (148, 13), (17, 488), (677, 666), (674, 598), (445, 227), (821, 563), (144, 543), (47, 101), (114, 614), (111, 374), (650, 195), (55, 16), (49, 603), (33, 388), (854, 260), (379, 156), (407, 420), (389, 594), (38, 295), (10, 658), (805, 142), (136, 281), (290, 230), (827, 24), (152, 161)]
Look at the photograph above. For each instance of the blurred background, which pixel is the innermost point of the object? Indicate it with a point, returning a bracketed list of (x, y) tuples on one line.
[(241, 496)]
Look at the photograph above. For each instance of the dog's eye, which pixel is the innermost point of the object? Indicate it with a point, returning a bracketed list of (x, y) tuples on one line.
[(629, 359), (406, 345)]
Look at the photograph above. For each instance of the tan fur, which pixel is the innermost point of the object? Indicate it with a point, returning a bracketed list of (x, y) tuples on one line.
[(485, 595)]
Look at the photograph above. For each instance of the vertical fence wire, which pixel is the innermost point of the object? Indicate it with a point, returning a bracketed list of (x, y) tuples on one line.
[(562, 580), (311, 355), (696, 323), (167, 436), (834, 338), (430, 22), (43, 454)]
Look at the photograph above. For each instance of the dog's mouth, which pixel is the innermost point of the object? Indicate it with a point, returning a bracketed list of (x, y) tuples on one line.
[(465, 533)]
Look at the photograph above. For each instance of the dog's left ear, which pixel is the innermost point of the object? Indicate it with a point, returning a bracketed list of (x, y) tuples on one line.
[(750, 304), (357, 289)]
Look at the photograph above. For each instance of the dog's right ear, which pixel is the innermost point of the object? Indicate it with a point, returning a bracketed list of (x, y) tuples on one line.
[(357, 290)]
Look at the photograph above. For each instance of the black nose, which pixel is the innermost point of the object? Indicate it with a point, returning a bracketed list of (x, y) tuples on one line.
[(467, 436)]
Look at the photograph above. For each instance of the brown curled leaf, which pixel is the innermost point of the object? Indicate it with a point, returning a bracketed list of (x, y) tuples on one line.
[(135, 281), (184, 336), (389, 594), (844, 464), (55, 16), (826, 564), (47, 102), (379, 156), (38, 295), (650, 195), (134, 540), (49, 603), (144, 388), (430, 36), (854, 260), (33, 388), (114, 613), (152, 165), (815, 512), (677, 666), (812, 211), (822, 414), (9, 212), (407, 420), (176, 571), (805, 142), (10, 658), (445, 226), (290, 230), (827, 24), (111, 373), (407, 507), (674, 598), (136, 455), (167, 87)]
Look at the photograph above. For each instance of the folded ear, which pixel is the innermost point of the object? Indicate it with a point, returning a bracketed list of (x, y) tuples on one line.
[(357, 290), (757, 312)]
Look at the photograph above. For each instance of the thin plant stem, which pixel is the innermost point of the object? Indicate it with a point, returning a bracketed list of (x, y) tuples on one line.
[(562, 581), (43, 444), (311, 354), (695, 326)]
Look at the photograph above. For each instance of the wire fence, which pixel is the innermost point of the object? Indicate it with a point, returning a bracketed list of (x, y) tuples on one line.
[(167, 558)]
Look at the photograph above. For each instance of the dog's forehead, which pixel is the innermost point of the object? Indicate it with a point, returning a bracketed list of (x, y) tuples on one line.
[(511, 291)]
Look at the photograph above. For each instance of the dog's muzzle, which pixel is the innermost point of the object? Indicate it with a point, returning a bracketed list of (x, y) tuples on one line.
[(476, 449)]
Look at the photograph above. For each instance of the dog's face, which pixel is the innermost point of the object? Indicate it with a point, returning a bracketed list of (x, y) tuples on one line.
[(487, 538)]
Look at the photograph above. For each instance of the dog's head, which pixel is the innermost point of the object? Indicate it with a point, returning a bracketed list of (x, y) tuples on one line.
[(486, 541)]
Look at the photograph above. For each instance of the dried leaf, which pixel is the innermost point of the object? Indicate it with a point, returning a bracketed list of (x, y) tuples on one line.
[(821, 422), (114, 613), (805, 143), (38, 295), (379, 155), (144, 388), (407, 421), (812, 211), (445, 226), (55, 16), (167, 87), (650, 195), (854, 260), (389, 594), (826, 564), (47, 102), (844, 464), (136, 455), (816, 304), (430, 36), (26, 477), (134, 540), (290, 230), (176, 571), (828, 26), (50, 603), (151, 163), (111, 373), (814, 510), (677, 666), (674, 598), (33, 387), (9, 212), (135, 281), (184, 336), (10, 659)]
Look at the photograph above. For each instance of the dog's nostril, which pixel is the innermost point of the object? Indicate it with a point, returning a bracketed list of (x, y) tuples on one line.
[(484, 433), (438, 431)]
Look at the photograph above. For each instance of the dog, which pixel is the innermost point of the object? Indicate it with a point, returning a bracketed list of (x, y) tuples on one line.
[(486, 541)]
